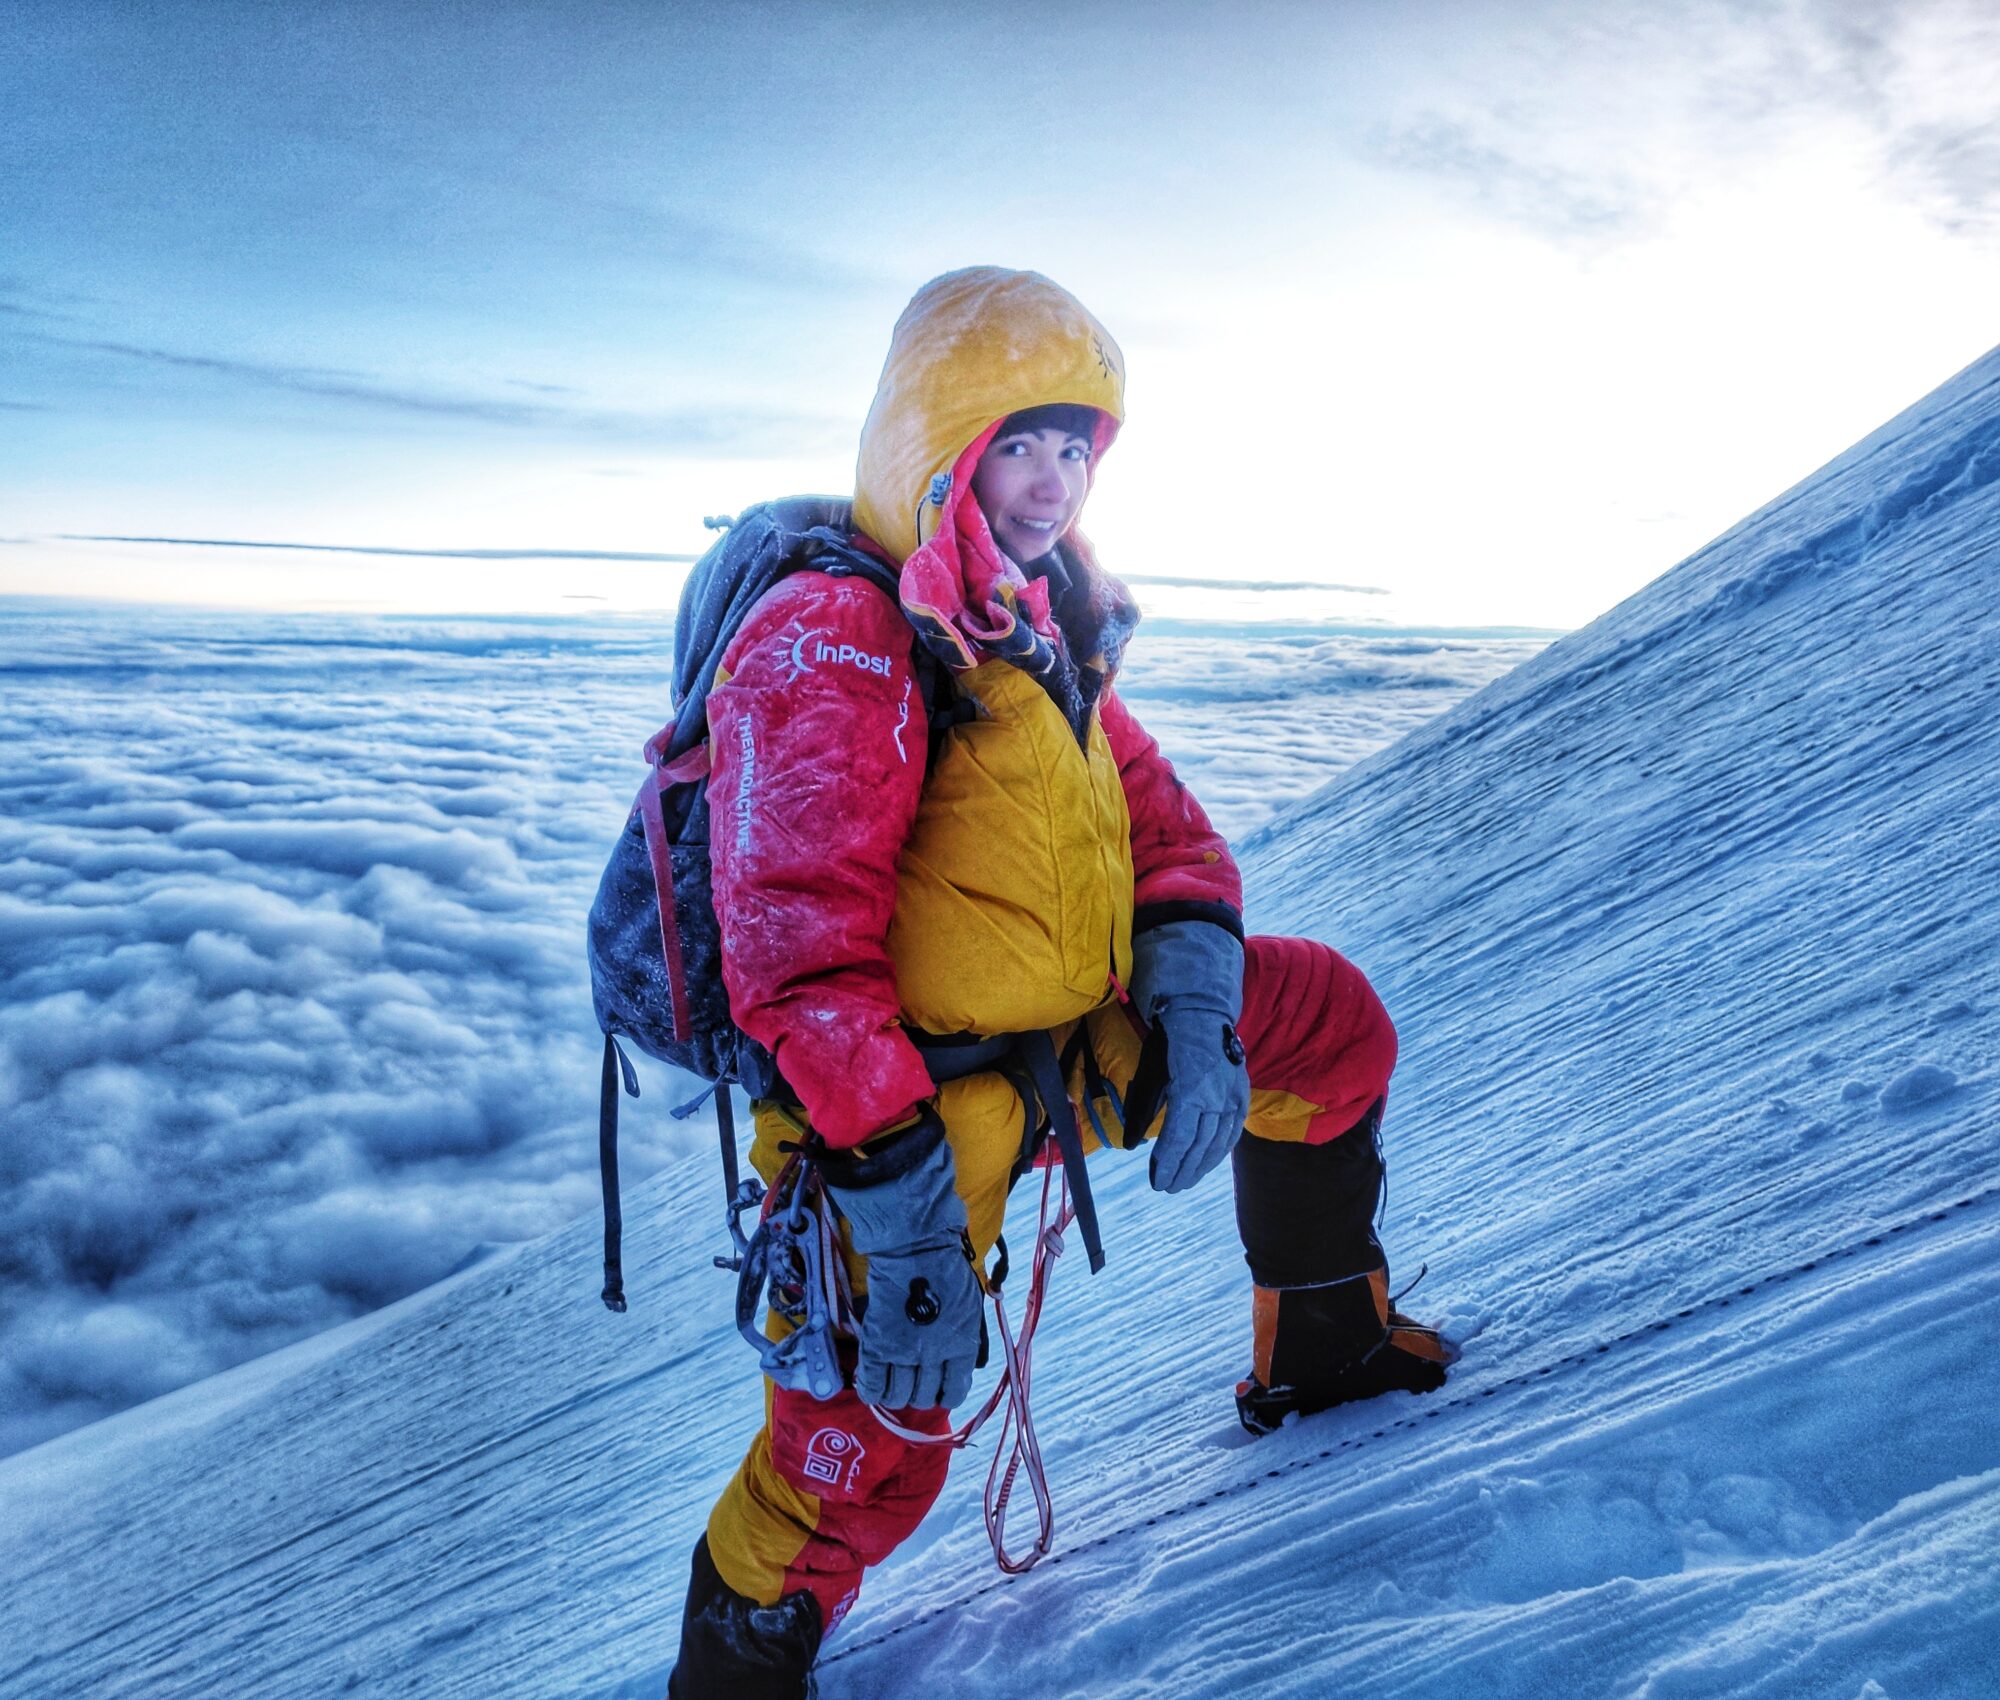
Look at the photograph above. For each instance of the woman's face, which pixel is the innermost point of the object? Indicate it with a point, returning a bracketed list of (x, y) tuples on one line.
[(1030, 485)]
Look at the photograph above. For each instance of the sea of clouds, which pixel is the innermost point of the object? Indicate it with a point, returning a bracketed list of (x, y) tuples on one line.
[(293, 1009)]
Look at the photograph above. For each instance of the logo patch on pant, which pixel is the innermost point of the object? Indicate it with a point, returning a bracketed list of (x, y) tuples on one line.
[(833, 1459)]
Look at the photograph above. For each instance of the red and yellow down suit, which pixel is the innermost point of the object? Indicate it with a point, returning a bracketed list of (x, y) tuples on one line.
[(864, 891)]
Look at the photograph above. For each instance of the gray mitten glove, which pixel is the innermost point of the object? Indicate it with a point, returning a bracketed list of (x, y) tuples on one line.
[(1187, 979), (921, 1328)]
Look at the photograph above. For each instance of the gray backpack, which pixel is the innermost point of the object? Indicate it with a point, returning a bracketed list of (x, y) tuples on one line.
[(654, 942)]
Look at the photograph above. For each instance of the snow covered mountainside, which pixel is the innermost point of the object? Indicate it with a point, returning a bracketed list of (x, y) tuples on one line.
[(1688, 926)]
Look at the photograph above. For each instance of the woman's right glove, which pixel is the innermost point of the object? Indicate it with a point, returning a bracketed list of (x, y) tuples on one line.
[(925, 1310)]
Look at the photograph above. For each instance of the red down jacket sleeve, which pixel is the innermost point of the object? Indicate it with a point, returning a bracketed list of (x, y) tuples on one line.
[(817, 742), (1177, 856)]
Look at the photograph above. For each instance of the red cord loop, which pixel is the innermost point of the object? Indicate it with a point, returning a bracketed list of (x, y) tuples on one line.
[(1014, 1388)]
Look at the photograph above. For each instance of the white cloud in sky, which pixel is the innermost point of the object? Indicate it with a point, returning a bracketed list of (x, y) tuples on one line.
[(295, 1013)]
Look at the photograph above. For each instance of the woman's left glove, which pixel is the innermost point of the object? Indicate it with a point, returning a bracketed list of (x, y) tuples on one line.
[(1187, 980), (921, 1326)]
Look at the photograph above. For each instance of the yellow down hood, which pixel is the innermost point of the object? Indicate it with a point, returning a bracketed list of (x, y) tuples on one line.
[(972, 347)]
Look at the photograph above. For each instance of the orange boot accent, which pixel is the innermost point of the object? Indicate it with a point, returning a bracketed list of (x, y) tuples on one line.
[(1263, 1332)]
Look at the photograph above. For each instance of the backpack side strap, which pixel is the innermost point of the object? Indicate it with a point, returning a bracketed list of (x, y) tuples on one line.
[(615, 1063)]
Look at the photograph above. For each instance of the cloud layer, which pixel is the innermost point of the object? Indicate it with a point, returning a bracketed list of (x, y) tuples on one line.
[(295, 1014)]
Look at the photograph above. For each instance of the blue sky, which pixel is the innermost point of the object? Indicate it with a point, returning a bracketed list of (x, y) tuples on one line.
[(1499, 309)]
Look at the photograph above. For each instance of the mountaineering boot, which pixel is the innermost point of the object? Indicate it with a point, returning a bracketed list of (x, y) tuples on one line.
[(1301, 1365), (734, 1649), (1323, 1329)]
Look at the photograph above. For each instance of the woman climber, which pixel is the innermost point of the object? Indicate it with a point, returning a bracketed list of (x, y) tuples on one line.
[(953, 922)]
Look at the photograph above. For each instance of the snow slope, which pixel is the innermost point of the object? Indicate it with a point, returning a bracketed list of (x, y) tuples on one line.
[(1688, 926)]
